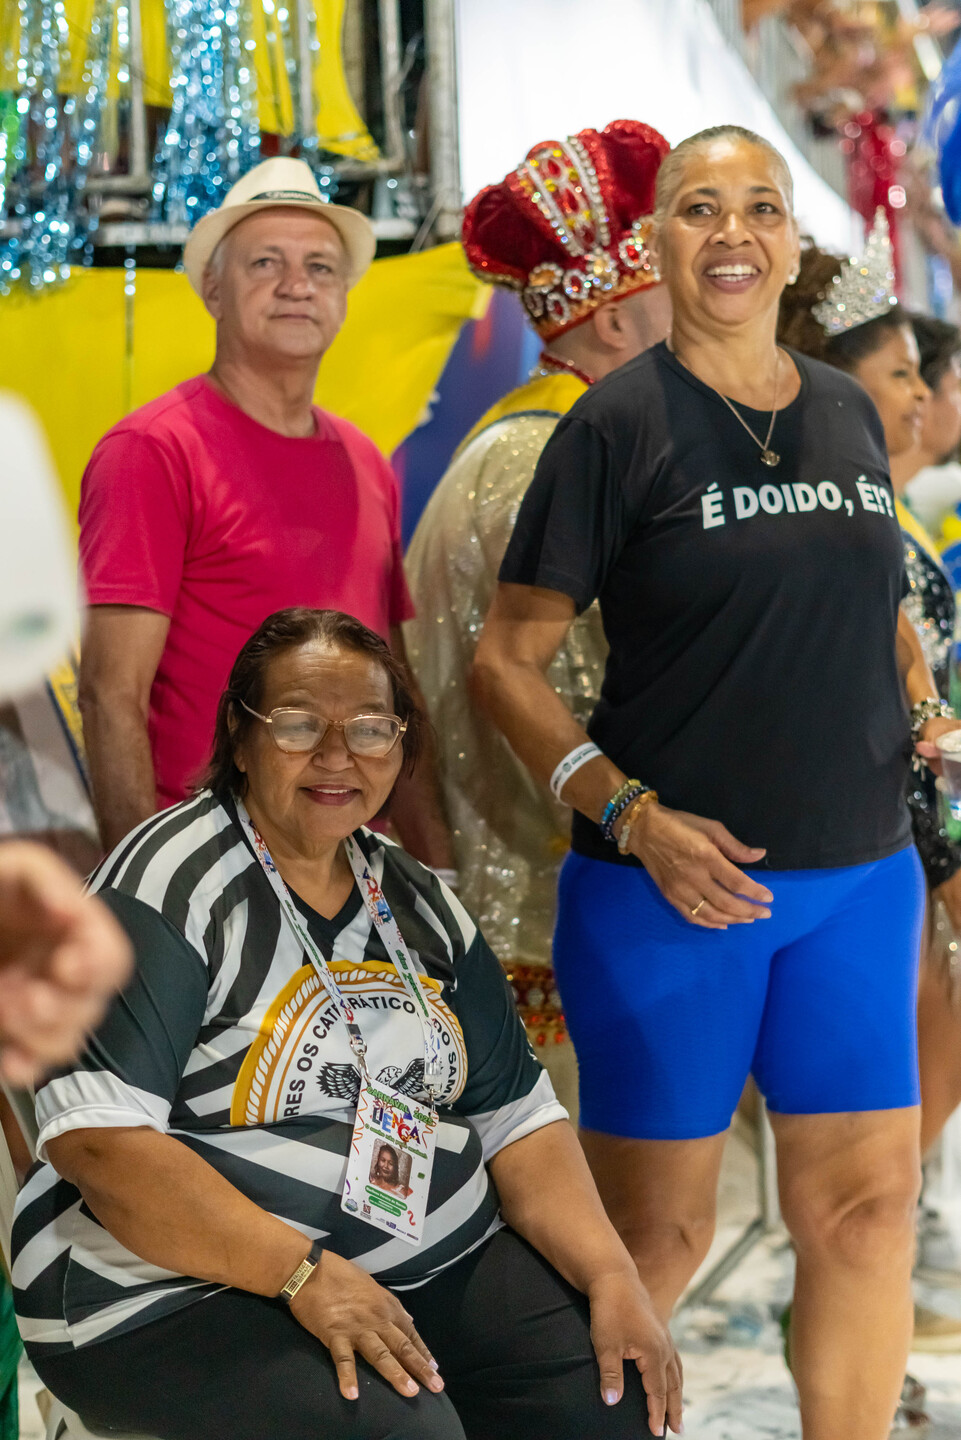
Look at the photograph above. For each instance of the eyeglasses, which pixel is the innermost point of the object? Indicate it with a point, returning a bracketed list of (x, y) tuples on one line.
[(298, 732)]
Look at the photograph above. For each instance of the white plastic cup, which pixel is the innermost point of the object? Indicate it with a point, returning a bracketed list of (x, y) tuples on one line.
[(950, 782)]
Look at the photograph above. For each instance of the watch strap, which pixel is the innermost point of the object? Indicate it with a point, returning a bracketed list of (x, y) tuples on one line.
[(303, 1272)]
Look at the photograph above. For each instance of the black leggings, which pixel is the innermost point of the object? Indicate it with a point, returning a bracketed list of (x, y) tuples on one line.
[(512, 1339)]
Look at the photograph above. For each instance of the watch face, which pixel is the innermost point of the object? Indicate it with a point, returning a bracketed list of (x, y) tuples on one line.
[(303, 1272)]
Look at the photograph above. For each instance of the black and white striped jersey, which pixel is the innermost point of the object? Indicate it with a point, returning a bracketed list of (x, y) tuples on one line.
[(227, 1040)]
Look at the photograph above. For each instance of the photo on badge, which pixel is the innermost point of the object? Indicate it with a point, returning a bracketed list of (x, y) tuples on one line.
[(390, 1170)]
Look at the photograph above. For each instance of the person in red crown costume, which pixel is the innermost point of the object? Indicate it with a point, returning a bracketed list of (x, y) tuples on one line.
[(567, 231)]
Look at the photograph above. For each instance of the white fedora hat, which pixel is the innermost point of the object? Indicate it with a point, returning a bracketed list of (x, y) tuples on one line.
[(281, 182)]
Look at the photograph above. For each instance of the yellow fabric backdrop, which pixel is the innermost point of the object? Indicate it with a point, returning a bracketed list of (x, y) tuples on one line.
[(67, 352)]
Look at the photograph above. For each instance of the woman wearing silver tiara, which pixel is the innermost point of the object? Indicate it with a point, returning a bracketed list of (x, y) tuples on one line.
[(743, 895), (877, 345)]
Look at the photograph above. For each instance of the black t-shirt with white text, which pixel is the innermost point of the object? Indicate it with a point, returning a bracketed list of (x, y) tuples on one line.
[(751, 611)]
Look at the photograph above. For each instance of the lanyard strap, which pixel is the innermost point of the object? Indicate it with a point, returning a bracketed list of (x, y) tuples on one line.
[(383, 918), (396, 946)]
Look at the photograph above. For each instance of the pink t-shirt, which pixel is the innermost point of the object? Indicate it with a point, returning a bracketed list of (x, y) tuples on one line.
[(191, 508)]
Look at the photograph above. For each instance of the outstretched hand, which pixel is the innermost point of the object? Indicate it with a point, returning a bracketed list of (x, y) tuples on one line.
[(62, 956), (625, 1327), (694, 863)]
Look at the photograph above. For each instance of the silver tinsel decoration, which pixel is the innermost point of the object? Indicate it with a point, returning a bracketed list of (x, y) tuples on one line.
[(213, 136), (46, 147)]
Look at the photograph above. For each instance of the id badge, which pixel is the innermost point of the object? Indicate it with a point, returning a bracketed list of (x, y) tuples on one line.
[(390, 1160)]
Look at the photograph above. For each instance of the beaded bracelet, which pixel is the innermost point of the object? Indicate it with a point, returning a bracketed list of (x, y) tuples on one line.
[(648, 797), (634, 786), (633, 794), (618, 803)]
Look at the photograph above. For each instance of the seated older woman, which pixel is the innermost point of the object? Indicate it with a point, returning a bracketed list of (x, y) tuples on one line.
[(213, 1246)]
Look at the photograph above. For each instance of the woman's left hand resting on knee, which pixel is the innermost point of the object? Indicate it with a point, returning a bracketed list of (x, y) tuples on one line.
[(352, 1315), (547, 1195), (172, 1209), (309, 778)]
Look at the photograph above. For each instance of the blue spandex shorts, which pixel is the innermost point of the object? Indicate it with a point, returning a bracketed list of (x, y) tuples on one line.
[(668, 1020)]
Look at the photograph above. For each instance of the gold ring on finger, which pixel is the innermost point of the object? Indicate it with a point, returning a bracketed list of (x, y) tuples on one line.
[(696, 908)]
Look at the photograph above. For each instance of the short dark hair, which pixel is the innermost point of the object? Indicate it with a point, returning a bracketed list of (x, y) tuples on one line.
[(938, 343), (286, 630), (798, 328)]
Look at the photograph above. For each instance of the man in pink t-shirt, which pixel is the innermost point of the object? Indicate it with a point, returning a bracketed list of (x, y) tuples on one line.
[(233, 496)]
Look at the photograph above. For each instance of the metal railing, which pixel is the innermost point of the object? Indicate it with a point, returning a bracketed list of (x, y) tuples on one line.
[(775, 55), (727, 13), (778, 59), (779, 62)]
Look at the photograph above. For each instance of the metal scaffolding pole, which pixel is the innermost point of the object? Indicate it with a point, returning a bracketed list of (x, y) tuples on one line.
[(444, 151), (138, 180), (139, 165), (388, 13), (306, 116)]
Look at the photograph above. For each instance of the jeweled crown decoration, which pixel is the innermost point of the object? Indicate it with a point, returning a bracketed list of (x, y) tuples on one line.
[(865, 287), (569, 229)]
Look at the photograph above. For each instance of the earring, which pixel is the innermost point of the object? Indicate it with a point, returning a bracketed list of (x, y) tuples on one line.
[(792, 278)]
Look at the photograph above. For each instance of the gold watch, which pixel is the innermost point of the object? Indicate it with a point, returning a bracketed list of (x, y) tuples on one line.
[(303, 1272)]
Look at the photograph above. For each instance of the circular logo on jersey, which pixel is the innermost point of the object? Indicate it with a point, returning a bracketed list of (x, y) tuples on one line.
[(301, 1062)]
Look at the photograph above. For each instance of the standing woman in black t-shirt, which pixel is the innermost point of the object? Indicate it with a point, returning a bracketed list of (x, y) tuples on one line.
[(743, 896)]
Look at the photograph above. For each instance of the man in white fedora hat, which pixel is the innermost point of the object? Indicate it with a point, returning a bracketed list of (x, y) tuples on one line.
[(233, 496)]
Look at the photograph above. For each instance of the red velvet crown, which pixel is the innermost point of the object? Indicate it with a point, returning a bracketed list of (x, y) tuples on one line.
[(569, 228)]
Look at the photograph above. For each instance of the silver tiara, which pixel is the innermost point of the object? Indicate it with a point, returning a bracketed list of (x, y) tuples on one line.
[(865, 287)]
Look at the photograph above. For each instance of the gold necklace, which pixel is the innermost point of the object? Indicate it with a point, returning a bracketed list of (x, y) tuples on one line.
[(768, 456)]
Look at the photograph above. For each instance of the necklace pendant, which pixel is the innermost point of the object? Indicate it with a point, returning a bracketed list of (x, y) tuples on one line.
[(770, 458)]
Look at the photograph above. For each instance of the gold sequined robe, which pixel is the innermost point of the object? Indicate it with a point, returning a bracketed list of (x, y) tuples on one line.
[(510, 835)]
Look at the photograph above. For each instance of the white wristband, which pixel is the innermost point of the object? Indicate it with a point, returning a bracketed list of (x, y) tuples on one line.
[(572, 762)]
